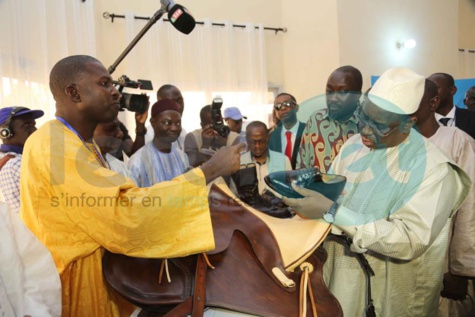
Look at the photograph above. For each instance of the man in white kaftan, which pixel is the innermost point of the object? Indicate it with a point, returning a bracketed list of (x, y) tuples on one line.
[(400, 220), (400, 194), (29, 281), (457, 296)]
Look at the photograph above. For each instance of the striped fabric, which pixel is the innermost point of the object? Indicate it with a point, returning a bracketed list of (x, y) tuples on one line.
[(10, 181), (149, 166)]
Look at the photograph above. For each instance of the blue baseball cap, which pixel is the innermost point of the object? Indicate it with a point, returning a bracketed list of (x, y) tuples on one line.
[(5, 113), (233, 113)]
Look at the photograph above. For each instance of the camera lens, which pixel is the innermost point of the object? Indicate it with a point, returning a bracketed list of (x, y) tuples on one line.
[(134, 103)]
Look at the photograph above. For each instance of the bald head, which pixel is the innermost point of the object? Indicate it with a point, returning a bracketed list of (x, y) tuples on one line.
[(256, 124), (257, 138), (430, 89), (469, 99), (446, 89), (171, 92), (427, 105), (355, 75), (426, 113), (447, 78), (85, 93), (67, 71)]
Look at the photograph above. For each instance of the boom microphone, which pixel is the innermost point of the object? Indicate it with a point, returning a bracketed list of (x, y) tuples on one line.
[(179, 16)]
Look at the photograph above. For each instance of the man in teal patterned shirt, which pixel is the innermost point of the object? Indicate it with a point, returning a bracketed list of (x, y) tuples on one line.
[(328, 129)]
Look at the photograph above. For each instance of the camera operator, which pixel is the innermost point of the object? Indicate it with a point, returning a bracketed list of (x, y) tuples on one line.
[(200, 144), (137, 103), (129, 146)]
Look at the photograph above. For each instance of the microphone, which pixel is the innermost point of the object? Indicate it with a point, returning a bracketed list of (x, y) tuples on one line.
[(179, 16)]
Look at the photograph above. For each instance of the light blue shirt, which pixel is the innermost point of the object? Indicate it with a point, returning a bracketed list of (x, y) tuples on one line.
[(149, 166)]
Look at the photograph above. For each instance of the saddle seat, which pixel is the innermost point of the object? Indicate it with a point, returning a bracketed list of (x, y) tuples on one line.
[(257, 265)]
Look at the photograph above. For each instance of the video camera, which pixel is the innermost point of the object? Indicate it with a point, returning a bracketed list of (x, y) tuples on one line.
[(217, 118), (133, 102)]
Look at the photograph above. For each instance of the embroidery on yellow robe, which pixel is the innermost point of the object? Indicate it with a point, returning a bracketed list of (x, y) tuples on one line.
[(78, 208)]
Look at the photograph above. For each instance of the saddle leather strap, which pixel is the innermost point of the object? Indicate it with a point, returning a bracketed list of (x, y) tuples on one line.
[(207, 261), (199, 295), (181, 310), (164, 267), (5, 159), (305, 285), (194, 304), (368, 270)]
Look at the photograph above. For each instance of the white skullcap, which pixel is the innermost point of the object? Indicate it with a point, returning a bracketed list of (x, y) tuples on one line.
[(398, 90)]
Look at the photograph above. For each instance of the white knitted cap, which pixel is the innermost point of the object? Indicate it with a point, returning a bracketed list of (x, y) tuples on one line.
[(398, 90)]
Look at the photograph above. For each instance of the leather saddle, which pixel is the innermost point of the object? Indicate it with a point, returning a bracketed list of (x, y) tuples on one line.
[(262, 265)]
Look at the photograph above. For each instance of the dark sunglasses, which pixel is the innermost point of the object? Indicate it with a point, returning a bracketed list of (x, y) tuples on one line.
[(286, 104)]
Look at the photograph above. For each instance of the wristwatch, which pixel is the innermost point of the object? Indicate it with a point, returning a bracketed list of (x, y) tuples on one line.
[(329, 216)]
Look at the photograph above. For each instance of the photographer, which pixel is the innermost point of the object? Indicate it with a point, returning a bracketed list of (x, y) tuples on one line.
[(129, 146), (200, 144)]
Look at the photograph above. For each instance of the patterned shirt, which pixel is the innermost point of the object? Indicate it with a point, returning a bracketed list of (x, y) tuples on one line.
[(322, 140), (10, 181), (149, 166)]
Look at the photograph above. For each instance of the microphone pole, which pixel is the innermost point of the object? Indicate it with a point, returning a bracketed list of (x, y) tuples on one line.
[(137, 38)]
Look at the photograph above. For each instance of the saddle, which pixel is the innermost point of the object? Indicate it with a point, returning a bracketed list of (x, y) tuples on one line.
[(262, 265)]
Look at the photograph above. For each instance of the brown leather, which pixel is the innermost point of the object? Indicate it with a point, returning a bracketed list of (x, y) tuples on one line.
[(195, 304), (245, 254), (181, 310), (199, 294), (239, 283), (232, 217), (5, 159), (137, 280)]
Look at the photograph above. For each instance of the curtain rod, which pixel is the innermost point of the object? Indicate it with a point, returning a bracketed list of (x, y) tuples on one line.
[(466, 49), (112, 16)]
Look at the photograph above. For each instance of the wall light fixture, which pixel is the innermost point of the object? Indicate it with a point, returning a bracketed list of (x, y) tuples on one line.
[(411, 43)]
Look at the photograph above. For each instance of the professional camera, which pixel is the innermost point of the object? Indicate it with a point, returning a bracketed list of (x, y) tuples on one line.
[(133, 102), (217, 118)]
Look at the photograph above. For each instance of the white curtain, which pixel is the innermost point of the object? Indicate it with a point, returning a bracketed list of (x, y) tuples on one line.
[(35, 35), (210, 61)]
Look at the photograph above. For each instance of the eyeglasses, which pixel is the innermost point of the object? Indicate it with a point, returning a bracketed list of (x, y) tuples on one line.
[(286, 104), (380, 130)]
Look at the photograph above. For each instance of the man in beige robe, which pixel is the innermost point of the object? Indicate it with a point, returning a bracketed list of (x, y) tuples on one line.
[(400, 194), (460, 148)]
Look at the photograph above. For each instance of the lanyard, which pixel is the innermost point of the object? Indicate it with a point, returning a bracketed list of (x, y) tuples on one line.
[(11, 148), (94, 150)]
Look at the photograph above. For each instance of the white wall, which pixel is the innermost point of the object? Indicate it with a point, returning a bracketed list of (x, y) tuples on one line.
[(466, 21), (311, 49), (369, 31), (324, 35)]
